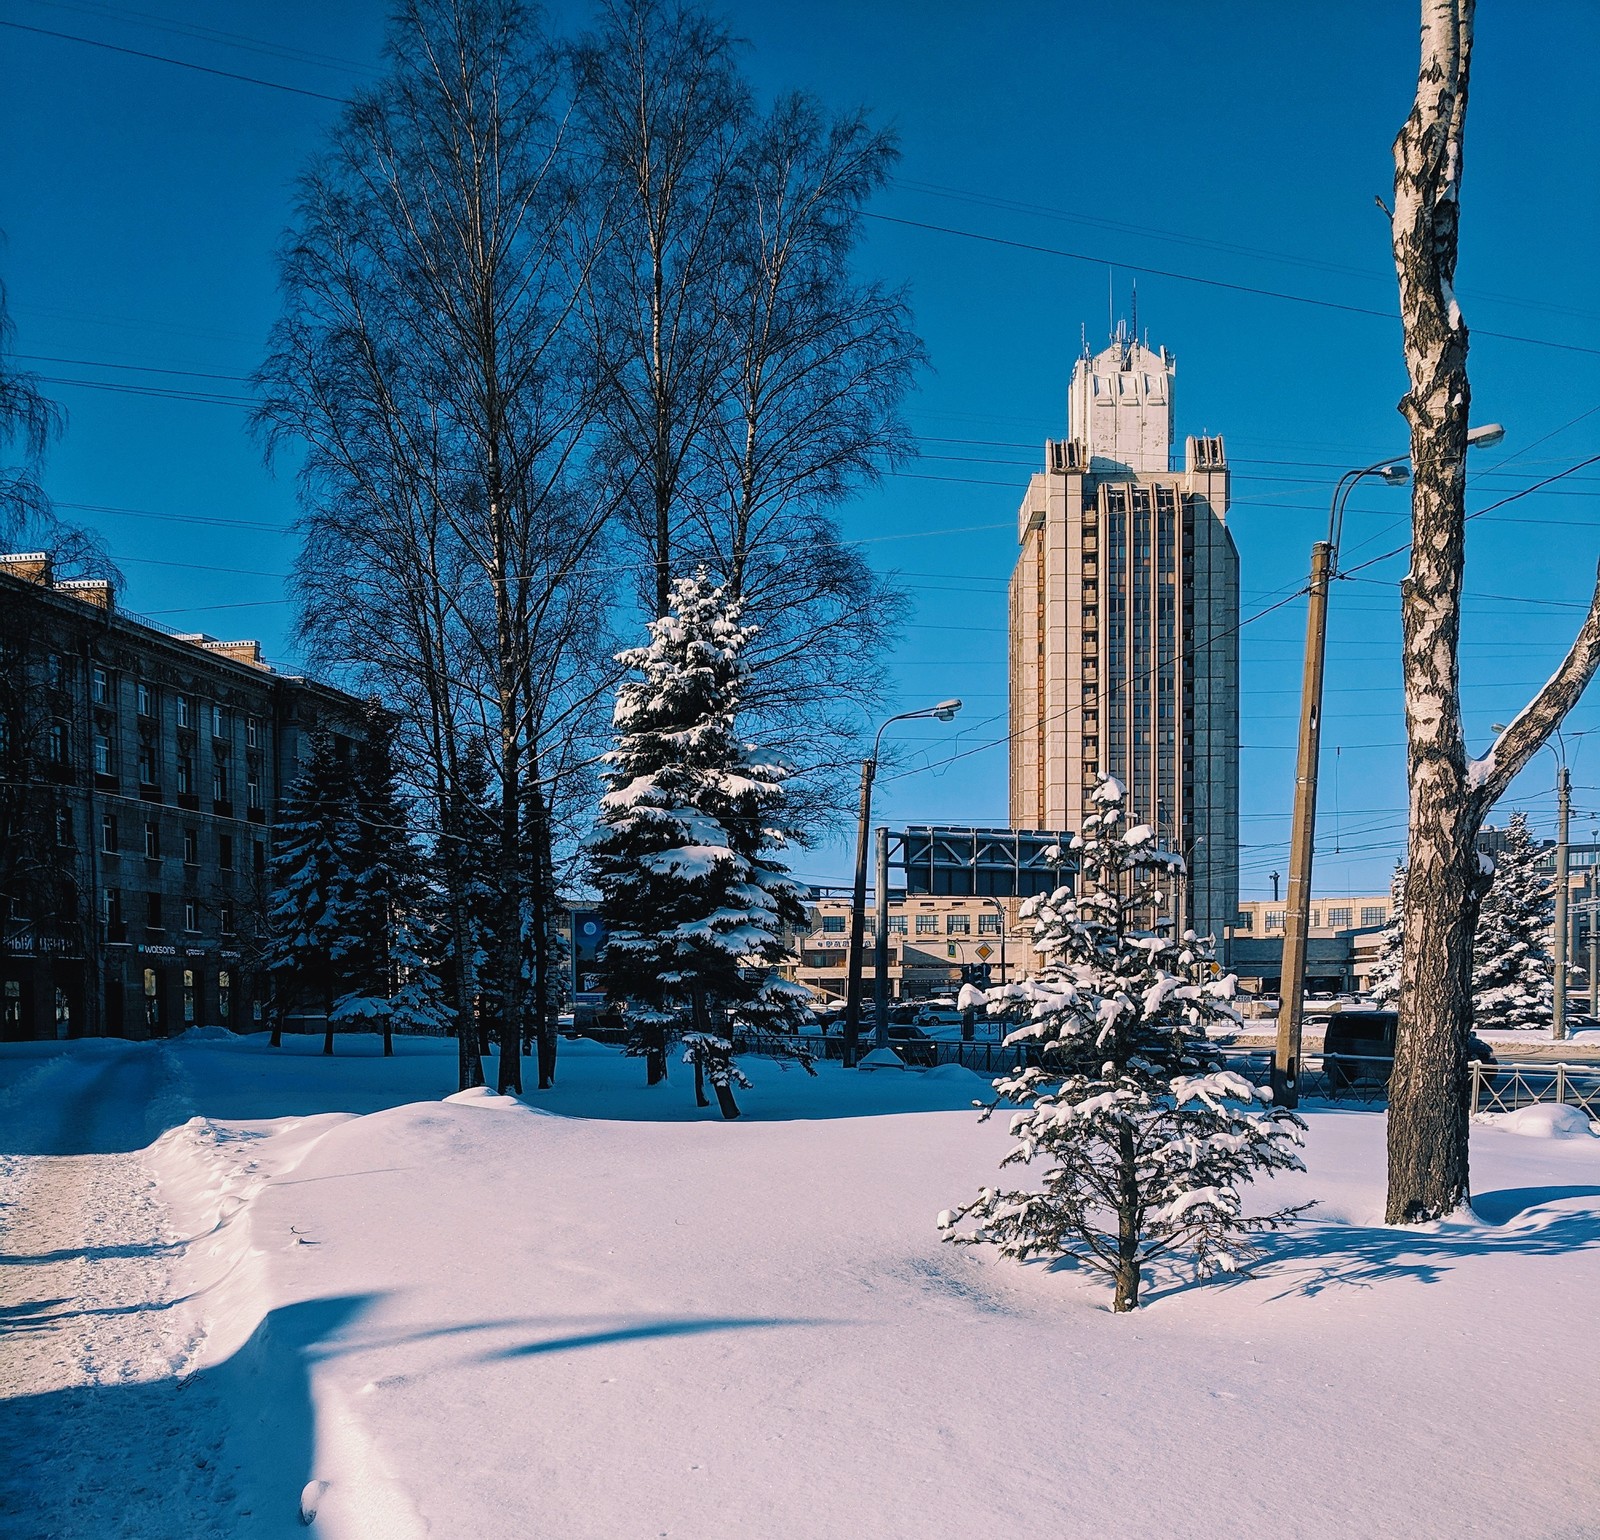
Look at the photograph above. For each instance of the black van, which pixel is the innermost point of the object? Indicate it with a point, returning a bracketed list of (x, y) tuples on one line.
[(1358, 1048)]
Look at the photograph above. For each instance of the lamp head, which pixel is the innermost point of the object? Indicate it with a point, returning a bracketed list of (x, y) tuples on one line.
[(946, 709), (1485, 434), (1394, 475)]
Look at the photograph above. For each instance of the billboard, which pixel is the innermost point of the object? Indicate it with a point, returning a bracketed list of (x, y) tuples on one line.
[(983, 863), (588, 949)]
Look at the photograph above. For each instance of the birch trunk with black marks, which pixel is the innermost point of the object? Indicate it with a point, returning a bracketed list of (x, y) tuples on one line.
[(1450, 794)]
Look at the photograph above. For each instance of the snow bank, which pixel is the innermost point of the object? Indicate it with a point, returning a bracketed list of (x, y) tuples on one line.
[(1547, 1120)]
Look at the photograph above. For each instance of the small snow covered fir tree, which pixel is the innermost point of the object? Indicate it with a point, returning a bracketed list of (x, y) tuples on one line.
[(310, 913), (1513, 974), (1384, 984), (1146, 1139), (694, 902), (384, 957)]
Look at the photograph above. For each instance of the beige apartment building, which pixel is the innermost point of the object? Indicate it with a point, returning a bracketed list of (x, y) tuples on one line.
[(1123, 631), (932, 941)]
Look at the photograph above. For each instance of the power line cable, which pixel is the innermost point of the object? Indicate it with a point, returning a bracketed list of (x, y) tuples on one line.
[(161, 58)]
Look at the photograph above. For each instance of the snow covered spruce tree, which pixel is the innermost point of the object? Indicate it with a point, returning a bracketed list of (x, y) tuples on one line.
[(1146, 1138), (694, 903), (1513, 974), (1385, 981), (310, 909), (385, 956)]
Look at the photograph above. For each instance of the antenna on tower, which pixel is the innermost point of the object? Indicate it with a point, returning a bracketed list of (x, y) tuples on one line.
[(1111, 305), (1133, 319)]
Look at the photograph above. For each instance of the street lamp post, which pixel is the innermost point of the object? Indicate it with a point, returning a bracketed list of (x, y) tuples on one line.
[(943, 712), (1302, 832), (1000, 909)]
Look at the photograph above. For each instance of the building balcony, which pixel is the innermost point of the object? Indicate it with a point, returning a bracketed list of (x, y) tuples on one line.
[(188, 801), (257, 815), (222, 808), (148, 793)]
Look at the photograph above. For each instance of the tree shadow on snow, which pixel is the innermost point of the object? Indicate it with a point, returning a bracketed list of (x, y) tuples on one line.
[(642, 1331), (224, 1451), (1312, 1256)]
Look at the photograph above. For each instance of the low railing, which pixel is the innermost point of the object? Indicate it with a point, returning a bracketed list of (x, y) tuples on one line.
[(1344, 1078), (1505, 1087)]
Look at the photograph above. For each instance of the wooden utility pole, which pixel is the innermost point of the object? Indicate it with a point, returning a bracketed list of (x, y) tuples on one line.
[(1302, 837)]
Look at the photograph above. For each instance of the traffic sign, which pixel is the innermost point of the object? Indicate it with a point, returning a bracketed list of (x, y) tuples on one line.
[(986, 951)]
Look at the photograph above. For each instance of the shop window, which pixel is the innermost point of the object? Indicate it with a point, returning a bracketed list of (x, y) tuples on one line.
[(152, 1001), (188, 997), (224, 996)]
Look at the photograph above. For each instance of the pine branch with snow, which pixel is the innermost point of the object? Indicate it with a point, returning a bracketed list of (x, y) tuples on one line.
[(1146, 1139), (1384, 981)]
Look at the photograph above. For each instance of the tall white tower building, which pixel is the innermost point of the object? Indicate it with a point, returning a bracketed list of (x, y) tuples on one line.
[(1124, 617)]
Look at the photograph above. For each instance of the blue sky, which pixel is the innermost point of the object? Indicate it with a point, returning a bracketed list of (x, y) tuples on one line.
[(1241, 144)]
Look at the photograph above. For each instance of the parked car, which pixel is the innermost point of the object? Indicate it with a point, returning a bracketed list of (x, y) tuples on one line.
[(1358, 1048)]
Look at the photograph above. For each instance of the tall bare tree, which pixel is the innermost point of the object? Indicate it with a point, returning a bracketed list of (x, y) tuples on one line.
[(430, 361), (1450, 793), (663, 109), (751, 380)]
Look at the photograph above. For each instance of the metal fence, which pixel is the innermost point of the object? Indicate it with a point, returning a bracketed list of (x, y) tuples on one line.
[(1342, 1078)]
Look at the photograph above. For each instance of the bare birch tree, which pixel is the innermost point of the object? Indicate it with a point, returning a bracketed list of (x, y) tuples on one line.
[(663, 110), (1450, 793), (430, 361)]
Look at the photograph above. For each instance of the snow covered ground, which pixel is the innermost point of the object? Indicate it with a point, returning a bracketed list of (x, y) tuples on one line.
[(343, 1292)]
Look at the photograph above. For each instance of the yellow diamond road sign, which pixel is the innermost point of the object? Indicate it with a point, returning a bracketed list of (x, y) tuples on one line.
[(986, 951)]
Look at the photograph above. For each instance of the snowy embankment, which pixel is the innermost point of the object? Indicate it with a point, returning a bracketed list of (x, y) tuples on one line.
[(610, 1315)]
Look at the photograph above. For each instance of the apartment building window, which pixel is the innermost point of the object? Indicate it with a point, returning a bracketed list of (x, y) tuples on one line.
[(147, 701), (252, 733), (108, 832), (1246, 920), (219, 722), (102, 754), (260, 857), (221, 778), (191, 914), (1275, 919), (988, 924), (56, 671), (1374, 914), (63, 828), (186, 775), (152, 841), (897, 925), (958, 925), (100, 687), (927, 925), (225, 852), (1340, 919), (252, 788), (1314, 918), (147, 762), (833, 924), (191, 847), (152, 918), (58, 743), (226, 919), (185, 711), (111, 905)]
